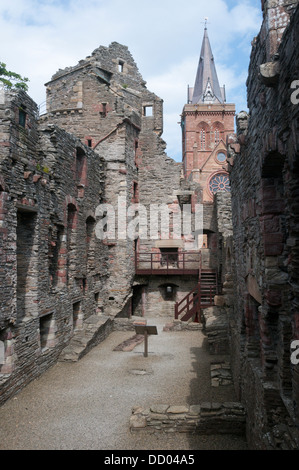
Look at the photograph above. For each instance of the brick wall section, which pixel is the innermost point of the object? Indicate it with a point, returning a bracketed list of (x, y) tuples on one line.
[(264, 175)]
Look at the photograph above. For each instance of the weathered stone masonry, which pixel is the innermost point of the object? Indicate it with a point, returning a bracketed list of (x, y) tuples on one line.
[(264, 181), (100, 138), (52, 268)]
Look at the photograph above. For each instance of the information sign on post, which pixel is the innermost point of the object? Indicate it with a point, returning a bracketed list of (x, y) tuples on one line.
[(146, 330)]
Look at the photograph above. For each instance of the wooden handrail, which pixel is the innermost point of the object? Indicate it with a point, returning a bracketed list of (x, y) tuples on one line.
[(190, 300)]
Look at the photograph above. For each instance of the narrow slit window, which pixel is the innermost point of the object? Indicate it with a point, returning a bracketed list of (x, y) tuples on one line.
[(121, 66), (202, 140), (46, 331), (103, 112), (77, 315), (22, 117)]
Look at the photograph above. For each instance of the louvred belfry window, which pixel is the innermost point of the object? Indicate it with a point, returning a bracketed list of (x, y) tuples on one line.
[(202, 140)]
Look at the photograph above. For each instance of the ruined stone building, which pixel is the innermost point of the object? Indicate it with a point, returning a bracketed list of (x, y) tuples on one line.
[(96, 155), (98, 148)]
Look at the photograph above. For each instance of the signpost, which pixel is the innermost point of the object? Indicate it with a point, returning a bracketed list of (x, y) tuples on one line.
[(146, 330)]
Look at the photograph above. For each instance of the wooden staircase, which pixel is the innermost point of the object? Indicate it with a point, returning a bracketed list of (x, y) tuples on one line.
[(200, 297)]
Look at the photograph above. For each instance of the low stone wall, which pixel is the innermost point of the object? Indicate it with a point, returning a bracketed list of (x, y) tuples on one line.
[(205, 418), (221, 374), (216, 328)]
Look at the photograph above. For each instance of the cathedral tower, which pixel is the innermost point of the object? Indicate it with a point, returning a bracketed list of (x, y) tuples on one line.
[(206, 120)]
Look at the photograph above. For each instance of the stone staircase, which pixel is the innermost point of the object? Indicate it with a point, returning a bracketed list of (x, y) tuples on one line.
[(95, 329)]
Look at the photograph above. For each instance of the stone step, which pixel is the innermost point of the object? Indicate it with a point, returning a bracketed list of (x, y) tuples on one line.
[(95, 329)]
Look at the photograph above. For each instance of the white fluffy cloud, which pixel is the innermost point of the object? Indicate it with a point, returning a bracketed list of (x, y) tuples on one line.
[(164, 36)]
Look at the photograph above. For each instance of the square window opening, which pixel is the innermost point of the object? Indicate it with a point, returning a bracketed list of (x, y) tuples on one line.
[(148, 111), (169, 257)]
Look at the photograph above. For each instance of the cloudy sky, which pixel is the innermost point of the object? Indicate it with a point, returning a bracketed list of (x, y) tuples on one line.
[(38, 37)]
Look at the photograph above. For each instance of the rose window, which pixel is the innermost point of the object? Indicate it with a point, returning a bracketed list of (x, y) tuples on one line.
[(219, 182)]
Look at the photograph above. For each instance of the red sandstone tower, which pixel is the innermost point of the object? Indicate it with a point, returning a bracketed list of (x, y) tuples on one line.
[(206, 120)]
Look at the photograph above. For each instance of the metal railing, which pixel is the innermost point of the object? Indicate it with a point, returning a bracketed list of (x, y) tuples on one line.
[(185, 262)]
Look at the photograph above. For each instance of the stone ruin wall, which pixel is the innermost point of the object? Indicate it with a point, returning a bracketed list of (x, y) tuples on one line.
[(264, 181), (52, 267), (57, 274)]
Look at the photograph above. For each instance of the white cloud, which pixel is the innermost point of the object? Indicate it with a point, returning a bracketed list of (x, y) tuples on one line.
[(164, 36)]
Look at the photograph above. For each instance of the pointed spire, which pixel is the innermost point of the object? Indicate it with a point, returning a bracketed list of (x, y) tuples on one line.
[(206, 88)]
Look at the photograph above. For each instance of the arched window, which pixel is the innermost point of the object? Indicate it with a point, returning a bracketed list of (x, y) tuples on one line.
[(90, 242), (217, 133), (203, 131)]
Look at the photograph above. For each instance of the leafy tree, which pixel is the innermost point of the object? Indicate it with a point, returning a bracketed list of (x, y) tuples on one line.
[(12, 80)]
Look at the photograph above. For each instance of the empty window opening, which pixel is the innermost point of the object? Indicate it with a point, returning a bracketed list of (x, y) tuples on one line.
[(71, 216), (46, 331), (84, 285), (71, 237), (148, 111), (77, 315), (98, 303), (204, 240), (138, 300), (90, 224), (103, 112), (80, 166), (90, 243), (27, 272), (89, 142), (136, 153), (168, 291), (2, 352), (135, 192), (55, 240), (120, 66), (169, 257), (22, 116)]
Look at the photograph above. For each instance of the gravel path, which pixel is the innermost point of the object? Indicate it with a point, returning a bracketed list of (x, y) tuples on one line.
[(87, 405)]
